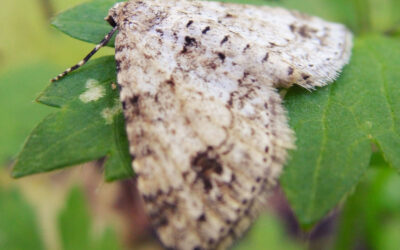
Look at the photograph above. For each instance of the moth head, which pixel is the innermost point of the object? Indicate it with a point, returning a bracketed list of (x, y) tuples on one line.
[(137, 14), (112, 17)]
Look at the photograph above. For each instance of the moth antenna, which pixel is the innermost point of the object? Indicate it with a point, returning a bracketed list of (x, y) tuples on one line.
[(103, 42)]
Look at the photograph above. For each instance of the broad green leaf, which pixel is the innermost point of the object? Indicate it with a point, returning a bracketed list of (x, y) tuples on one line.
[(86, 21), (335, 126), (79, 132), (18, 226), (18, 113)]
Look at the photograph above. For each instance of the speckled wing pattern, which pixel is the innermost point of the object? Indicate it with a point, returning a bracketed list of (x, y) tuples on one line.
[(206, 126)]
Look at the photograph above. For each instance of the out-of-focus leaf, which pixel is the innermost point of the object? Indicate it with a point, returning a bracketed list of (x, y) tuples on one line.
[(18, 226), (74, 222), (371, 215), (86, 21), (79, 132), (19, 114), (335, 126), (267, 233), (108, 241), (75, 226)]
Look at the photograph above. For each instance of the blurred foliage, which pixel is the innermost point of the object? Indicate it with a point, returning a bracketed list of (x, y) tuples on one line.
[(268, 232), (18, 224), (18, 89), (31, 53), (371, 216), (76, 227), (19, 229)]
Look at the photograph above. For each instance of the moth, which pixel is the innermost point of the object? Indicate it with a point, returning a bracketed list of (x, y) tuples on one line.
[(205, 123)]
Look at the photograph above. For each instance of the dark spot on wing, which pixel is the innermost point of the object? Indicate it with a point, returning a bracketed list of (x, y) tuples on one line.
[(290, 71), (189, 42), (170, 82), (134, 102), (265, 59), (221, 56), (206, 30), (162, 222), (189, 23), (123, 105), (118, 65), (292, 27), (306, 31), (159, 31), (202, 218), (226, 38), (305, 76), (205, 166)]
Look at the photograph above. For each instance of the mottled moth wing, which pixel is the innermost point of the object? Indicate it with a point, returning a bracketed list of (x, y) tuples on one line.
[(205, 124)]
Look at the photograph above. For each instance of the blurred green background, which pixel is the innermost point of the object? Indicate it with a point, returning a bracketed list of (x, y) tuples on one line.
[(75, 209)]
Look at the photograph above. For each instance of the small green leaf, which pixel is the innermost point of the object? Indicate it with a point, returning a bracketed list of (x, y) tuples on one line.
[(18, 226), (86, 21), (336, 125), (79, 132)]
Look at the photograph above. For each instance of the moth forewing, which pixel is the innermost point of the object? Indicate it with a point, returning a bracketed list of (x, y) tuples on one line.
[(205, 123)]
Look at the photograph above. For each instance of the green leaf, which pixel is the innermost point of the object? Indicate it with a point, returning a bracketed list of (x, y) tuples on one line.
[(86, 21), (18, 113), (336, 125), (18, 227), (79, 132)]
